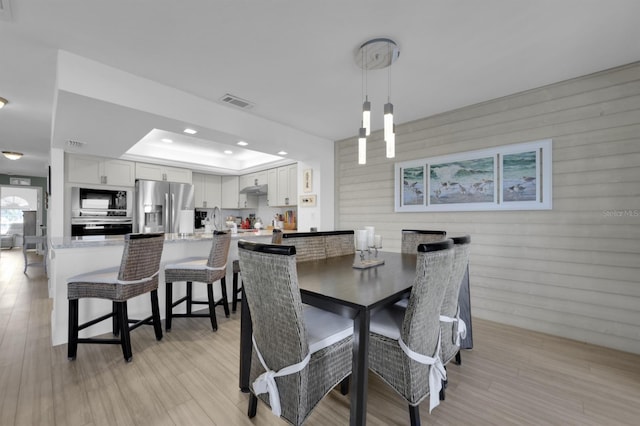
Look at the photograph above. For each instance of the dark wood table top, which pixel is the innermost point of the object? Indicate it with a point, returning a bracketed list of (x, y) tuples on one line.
[(335, 279)]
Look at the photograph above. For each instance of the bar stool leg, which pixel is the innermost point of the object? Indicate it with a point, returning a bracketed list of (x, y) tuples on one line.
[(212, 307), (114, 320), (168, 306), (155, 311), (72, 345), (189, 297), (125, 340), (234, 290), (225, 299)]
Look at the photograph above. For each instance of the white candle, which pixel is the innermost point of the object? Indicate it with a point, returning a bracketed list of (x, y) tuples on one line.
[(370, 234), (361, 240), (377, 241)]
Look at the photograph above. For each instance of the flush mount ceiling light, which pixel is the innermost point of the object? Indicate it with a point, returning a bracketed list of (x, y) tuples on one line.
[(3, 102), (12, 155), (375, 54)]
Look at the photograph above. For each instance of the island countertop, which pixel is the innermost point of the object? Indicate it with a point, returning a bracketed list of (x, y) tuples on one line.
[(110, 240)]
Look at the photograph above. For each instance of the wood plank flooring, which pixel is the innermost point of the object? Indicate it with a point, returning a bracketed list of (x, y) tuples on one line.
[(511, 377)]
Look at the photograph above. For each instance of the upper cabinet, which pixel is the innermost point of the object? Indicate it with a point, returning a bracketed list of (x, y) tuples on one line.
[(165, 173), (100, 171), (272, 187), (230, 187), (207, 190), (287, 185)]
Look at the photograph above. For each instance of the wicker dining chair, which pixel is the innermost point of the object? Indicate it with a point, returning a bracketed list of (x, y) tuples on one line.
[(309, 245), (404, 348), (136, 275), (200, 269), (454, 328), (339, 243), (276, 238), (412, 237), (307, 351)]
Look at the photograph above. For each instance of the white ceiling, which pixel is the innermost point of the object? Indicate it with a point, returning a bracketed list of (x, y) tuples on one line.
[(294, 59)]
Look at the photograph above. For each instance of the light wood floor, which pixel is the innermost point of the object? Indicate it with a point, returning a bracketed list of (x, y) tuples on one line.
[(512, 376)]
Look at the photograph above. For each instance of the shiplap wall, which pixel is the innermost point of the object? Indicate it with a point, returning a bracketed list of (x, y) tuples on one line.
[(572, 271)]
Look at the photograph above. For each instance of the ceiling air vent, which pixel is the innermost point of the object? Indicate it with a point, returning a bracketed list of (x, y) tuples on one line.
[(235, 101), (5, 10), (74, 144)]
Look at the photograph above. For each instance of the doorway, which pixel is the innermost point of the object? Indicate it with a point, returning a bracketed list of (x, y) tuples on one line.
[(14, 202)]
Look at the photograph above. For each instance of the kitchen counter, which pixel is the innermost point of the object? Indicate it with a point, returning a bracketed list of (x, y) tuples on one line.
[(69, 256)]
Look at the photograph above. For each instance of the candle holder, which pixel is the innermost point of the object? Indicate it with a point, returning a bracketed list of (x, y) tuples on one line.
[(365, 249)]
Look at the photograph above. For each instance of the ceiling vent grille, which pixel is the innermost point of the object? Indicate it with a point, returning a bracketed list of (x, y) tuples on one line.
[(5, 10), (74, 144), (234, 101)]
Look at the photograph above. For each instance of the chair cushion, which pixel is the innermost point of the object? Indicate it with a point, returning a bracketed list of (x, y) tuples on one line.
[(325, 328), (107, 276), (388, 322), (189, 263)]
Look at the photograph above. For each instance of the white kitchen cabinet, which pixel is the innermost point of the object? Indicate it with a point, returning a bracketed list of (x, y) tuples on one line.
[(100, 171), (272, 187), (287, 185), (230, 187), (245, 180), (247, 201), (164, 173), (207, 190)]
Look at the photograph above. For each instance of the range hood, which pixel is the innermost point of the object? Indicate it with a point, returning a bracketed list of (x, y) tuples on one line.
[(255, 190)]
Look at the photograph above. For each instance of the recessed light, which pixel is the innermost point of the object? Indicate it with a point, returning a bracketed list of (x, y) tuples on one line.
[(228, 151), (166, 140), (190, 131), (282, 153), (243, 143)]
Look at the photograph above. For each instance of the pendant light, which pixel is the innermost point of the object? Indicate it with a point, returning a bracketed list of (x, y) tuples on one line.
[(362, 146), (378, 53)]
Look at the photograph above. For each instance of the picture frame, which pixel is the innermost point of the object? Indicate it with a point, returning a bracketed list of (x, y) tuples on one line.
[(509, 177), (307, 180)]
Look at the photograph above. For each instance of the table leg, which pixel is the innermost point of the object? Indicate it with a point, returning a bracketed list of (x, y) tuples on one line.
[(246, 329), (359, 375)]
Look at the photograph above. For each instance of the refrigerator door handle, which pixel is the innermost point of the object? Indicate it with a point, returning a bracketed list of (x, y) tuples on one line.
[(167, 222)]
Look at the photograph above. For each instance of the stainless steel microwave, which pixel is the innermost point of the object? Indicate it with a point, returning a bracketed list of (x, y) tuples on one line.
[(98, 211)]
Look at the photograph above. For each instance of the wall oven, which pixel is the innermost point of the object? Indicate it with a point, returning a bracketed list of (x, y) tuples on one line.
[(101, 211)]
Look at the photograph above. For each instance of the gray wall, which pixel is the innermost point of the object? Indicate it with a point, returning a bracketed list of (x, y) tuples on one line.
[(573, 271)]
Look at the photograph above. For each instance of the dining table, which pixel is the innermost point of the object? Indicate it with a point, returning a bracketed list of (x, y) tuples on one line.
[(335, 285)]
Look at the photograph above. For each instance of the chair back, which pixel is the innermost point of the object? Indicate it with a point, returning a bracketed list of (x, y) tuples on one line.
[(219, 249), (309, 245), (339, 243), (421, 324), (270, 281), (141, 257), (276, 236), (412, 237), (450, 302)]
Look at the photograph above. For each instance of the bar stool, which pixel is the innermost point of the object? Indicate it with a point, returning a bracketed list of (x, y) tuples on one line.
[(200, 269), (136, 275), (276, 238)]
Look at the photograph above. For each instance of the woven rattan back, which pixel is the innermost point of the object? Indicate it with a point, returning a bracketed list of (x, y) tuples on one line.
[(460, 262), (421, 325), (219, 249), (141, 256), (309, 245), (340, 243), (270, 283), (412, 237)]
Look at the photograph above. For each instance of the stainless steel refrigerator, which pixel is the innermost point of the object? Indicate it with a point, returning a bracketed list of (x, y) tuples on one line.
[(164, 207)]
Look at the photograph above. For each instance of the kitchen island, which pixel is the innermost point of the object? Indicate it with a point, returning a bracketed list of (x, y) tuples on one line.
[(71, 256)]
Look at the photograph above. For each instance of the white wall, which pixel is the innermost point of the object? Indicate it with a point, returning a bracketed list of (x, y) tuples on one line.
[(573, 271)]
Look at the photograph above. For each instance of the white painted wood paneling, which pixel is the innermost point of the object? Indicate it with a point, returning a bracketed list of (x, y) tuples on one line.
[(573, 271)]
